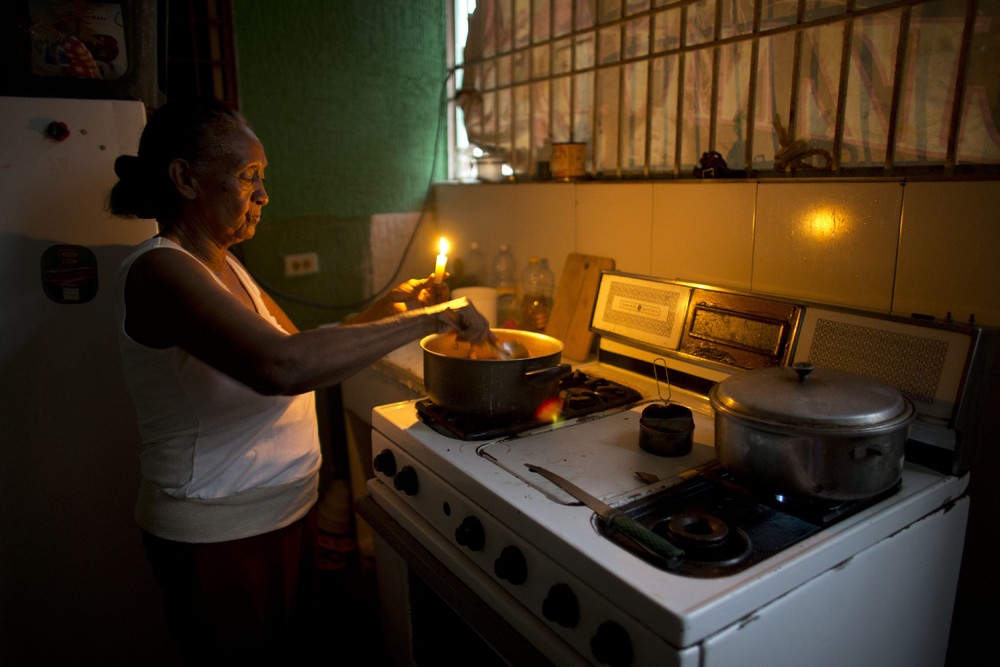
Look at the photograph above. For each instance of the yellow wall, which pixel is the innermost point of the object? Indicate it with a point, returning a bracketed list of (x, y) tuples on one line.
[(886, 246)]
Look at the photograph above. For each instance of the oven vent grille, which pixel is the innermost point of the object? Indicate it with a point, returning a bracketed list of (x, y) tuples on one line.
[(913, 364), (925, 363)]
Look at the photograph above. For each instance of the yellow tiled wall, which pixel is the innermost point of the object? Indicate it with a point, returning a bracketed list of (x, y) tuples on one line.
[(885, 246)]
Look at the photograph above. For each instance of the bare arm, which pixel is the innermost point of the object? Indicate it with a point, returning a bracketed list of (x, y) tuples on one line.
[(410, 295), (172, 300)]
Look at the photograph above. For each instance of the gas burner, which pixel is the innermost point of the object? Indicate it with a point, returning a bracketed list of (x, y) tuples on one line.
[(823, 512), (705, 538), (579, 395), (725, 527), (578, 398)]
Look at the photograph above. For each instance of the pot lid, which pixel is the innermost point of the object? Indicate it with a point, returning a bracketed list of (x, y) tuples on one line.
[(809, 397)]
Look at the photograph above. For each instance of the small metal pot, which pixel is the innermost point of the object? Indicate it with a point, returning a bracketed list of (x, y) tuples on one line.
[(811, 432), (472, 380), (666, 430)]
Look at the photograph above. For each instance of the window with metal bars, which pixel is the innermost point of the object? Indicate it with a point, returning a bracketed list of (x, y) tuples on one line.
[(773, 87), (201, 55)]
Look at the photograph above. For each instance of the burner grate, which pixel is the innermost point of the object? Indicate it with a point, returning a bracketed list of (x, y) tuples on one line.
[(756, 524), (579, 395)]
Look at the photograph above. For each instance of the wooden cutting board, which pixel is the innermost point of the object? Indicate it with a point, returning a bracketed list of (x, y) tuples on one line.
[(573, 303)]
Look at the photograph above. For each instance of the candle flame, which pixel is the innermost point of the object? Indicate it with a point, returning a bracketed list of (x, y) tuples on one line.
[(442, 260)]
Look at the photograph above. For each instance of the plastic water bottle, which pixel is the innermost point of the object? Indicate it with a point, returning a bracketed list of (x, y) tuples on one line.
[(475, 267), (505, 281), (538, 283)]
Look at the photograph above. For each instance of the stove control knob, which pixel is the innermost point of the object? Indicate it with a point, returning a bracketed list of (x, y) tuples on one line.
[(561, 606), (470, 533), (385, 463), (611, 645), (406, 481), (510, 565)]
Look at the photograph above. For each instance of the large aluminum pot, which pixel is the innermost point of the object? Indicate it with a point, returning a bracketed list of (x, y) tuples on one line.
[(472, 380), (811, 432)]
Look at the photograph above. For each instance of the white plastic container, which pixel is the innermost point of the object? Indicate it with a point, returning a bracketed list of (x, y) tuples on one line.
[(483, 298)]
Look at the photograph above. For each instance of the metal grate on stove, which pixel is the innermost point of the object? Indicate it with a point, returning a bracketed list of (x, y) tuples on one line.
[(579, 395)]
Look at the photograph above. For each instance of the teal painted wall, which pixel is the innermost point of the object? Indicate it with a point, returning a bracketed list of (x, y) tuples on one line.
[(346, 97)]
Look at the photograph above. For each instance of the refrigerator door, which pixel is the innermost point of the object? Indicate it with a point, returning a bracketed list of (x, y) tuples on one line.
[(74, 580)]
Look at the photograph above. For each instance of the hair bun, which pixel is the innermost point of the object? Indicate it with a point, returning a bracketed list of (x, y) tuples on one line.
[(127, 166)]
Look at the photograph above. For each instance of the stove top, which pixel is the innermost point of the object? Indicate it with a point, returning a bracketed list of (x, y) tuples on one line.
[(461, 487), (745, 550), (579, 394), (725, 526)]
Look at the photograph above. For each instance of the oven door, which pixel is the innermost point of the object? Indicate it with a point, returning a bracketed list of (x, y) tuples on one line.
[(432, 616)]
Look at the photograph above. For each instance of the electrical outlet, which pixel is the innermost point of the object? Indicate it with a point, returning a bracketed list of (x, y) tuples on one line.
[(302, 264)]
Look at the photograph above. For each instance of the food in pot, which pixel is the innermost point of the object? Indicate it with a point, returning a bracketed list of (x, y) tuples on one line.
[(524, 343)]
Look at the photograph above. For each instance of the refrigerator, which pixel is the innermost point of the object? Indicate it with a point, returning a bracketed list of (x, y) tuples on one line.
[(74, 582)]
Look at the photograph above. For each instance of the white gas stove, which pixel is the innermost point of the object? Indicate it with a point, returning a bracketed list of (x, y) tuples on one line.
[(480, 558)]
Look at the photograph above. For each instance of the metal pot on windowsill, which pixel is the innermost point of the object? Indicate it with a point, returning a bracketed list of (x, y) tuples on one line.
[(811, 432), (489, 169)]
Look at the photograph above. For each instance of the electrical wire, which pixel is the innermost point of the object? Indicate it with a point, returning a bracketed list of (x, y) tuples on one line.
[(391, 282)]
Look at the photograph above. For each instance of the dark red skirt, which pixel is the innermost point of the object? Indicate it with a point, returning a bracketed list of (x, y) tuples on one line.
[(252, 599)]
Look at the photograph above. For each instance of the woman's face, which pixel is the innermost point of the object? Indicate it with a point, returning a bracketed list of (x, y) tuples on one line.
[(231, 190)]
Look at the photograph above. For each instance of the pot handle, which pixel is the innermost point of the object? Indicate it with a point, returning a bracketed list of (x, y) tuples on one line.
[(548, 373), (803, 369)]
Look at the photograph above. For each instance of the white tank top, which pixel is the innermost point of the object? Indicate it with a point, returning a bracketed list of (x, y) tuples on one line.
[(208, 437)]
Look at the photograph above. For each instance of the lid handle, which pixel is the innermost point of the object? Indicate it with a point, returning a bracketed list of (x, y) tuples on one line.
[(803, 369)]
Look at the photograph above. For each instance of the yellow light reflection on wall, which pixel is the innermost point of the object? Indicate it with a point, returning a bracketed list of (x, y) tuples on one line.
[(825, 224)]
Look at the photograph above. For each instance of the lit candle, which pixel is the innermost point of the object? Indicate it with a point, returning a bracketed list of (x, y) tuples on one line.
[(442, 260)]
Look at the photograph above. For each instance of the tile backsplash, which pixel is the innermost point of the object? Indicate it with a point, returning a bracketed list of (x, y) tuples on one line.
[(704, 234), (886, 246), (832, 245), (949, 255)]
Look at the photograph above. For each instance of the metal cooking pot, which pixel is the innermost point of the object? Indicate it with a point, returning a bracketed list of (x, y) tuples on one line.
[(812, 432), (471, 379)]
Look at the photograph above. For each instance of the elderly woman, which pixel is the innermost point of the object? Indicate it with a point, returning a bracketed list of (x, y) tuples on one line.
[(222, 384)]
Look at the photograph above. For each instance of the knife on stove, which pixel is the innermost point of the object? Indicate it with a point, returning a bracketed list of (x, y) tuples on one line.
[(614, 519)]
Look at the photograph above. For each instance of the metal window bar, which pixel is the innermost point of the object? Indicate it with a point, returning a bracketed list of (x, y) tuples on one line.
[(901, 49), (957, 103), (501, 93), (200, 51)]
